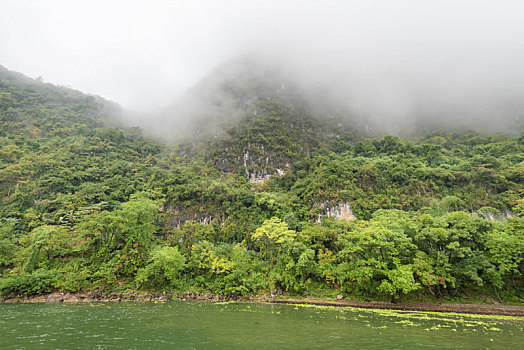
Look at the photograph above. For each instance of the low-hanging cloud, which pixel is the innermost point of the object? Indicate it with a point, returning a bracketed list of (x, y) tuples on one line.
[(391, 61)]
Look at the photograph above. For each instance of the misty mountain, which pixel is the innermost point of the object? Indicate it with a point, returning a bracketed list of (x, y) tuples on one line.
[(243, 87), (248, 115), (238, 89)]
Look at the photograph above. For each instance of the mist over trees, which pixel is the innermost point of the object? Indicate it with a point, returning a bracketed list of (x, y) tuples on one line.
[(404, 64), (239, 86)]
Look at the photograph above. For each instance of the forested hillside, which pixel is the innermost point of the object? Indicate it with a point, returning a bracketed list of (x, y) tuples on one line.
[(282, 198)]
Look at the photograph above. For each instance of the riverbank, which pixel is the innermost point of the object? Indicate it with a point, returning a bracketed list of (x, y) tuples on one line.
[(98, 296), (482, 309)]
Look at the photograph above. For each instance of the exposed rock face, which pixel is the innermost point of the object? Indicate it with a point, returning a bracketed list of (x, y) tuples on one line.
[(495, 216), (261, 165), (259, 177), (177, 216), (340, 211)]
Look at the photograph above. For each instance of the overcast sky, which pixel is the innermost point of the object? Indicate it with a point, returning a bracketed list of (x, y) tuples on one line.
[(392, 55)]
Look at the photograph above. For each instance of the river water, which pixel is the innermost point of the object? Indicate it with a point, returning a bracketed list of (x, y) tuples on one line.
[(206, 325)]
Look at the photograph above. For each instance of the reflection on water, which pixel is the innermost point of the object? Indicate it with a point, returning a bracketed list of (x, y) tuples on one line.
[(203, 325)]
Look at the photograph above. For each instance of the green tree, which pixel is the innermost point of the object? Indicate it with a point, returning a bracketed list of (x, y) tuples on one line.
[(270, 237), (163, 268)]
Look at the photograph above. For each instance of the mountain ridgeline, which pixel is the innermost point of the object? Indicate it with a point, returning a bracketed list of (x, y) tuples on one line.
[(254, 187)]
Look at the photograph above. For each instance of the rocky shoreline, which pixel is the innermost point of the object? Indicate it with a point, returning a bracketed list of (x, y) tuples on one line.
[(101, 297)]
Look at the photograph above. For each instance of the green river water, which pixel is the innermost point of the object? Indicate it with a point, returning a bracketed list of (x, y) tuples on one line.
[(205, 325)]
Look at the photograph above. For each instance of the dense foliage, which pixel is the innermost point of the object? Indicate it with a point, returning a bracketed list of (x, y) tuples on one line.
[(86, 204)]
